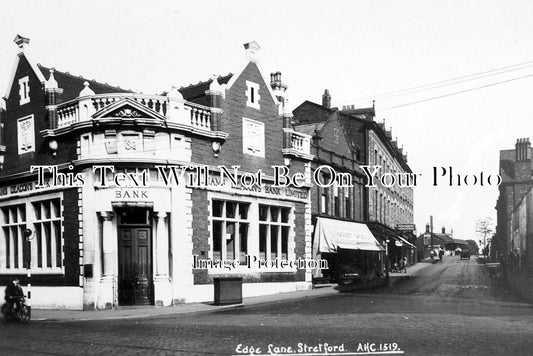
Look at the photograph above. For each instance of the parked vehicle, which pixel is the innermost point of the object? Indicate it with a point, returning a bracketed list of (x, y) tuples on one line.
[(465, 254), (17, 311)]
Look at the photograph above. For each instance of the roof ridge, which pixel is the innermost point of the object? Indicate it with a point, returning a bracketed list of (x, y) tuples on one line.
[(321, 106), (82, 78), (205, 82)]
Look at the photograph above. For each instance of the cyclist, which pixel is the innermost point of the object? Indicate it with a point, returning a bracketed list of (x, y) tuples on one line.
[(14, 294)]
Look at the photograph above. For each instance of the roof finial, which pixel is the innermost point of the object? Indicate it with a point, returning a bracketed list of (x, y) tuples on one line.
[(86, 90), (174, 93), (21, 42), (215, 85), (251, 49), (51, 83)]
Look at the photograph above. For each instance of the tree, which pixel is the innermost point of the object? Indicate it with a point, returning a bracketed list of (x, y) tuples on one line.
[(473, 247), (484, 227)]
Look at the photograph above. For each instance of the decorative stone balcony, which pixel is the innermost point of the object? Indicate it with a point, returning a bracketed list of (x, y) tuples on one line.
[(171, 110), (299, 145)]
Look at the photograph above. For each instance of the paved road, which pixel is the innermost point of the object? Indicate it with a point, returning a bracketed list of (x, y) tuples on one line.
[(449, 308)]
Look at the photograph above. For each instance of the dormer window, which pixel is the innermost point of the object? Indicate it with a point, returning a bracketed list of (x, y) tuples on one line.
[(252, 93), (24, 90)]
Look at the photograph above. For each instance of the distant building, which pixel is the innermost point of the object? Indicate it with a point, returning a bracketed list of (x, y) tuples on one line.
[(443, 240), (348, 139), (337, 197), (512, 240)]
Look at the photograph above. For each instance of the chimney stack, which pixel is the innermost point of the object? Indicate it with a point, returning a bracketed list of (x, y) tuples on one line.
[(279, 88), (326, 99), (522, 149), (427, 228), (443, 230)]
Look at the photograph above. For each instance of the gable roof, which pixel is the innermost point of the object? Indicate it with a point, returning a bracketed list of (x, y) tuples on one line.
[(35, 69), (234, 78), (72, 85), (309, 115), (309, 112)]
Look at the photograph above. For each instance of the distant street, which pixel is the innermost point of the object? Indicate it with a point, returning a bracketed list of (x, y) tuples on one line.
[(454, 307)]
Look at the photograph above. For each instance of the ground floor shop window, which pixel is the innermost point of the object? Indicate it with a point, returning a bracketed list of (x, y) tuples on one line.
[(273, 232), (13, 230), (47, 227), (230, 230), (44, 219), (241, 229)]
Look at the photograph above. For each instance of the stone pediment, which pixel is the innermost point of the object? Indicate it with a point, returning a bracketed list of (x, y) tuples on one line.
[(128, 109)]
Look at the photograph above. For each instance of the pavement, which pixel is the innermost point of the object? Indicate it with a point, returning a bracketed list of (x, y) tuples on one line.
[(133, 312), (411, 272)]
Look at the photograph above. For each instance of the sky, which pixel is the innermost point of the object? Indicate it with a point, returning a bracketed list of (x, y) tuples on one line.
[(359, 50)]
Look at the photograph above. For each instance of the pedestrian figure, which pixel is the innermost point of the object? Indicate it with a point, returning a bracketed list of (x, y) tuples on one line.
[(404, 264), (441, 253)]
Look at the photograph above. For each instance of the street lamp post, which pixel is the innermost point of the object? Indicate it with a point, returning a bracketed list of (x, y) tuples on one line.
[(27, 252), (431, 233), (387, 256)]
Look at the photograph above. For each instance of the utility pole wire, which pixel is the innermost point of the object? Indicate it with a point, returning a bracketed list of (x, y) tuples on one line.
[(447, 82), (458, 92)]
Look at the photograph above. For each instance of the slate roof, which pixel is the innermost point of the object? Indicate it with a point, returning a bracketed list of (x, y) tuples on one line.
[(460, 242), (362, 113), (72, 85), (309, 112), (445, 238), (196, 93), (352, 121), (309, 129)]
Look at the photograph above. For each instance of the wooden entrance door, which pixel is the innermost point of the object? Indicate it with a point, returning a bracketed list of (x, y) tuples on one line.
[(135, 266)]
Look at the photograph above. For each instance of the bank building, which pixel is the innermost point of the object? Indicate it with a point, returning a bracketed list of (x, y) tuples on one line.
[(105, 218)]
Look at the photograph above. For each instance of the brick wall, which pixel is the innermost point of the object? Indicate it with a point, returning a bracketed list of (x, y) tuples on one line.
[(15, 163), (234, 106)]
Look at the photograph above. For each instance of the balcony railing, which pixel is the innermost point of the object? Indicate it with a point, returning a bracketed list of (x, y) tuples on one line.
[(300, 143), (179, 111)]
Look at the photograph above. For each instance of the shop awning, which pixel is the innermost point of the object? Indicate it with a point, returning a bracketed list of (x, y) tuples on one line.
[(405, 242), (330, 235)]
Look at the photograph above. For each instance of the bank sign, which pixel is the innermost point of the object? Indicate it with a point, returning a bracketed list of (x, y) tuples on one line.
[(133, 185)]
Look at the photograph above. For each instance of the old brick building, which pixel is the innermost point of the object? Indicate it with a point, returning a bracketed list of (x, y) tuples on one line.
[(512, 239), (114, 222), (512, 244), (348, 139)]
